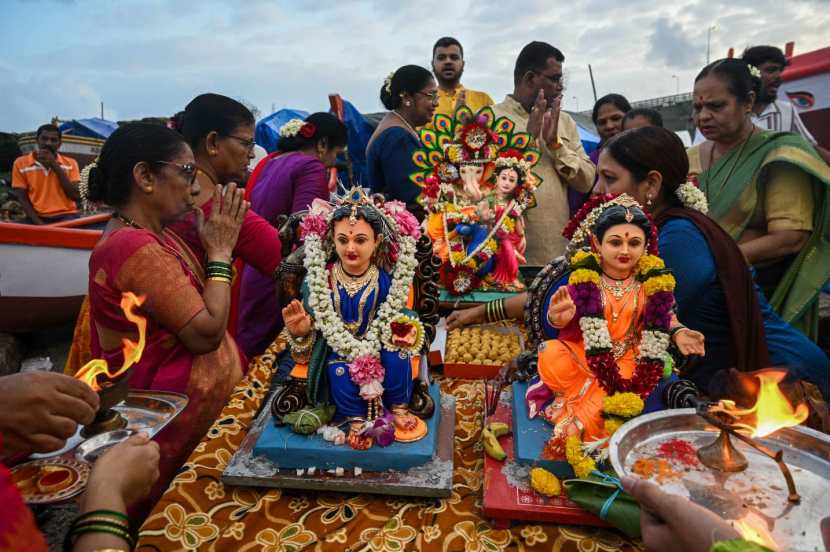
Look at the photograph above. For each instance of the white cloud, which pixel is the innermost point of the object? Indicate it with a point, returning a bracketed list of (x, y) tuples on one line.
[(149, 58)]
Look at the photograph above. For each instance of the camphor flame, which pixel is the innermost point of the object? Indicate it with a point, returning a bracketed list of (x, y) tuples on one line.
[(753, 527), (772, 410), (91, 371)]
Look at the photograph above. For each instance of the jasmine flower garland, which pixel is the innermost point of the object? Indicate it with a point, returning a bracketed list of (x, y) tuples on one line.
[(363, 354)]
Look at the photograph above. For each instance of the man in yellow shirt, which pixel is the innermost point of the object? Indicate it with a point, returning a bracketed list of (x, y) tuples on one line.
[(448, 66), (46, 182), (535, 105)]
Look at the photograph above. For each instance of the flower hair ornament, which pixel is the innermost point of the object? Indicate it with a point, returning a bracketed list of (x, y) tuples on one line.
[(387, 83), (692, 197), (400, 234), (754, 71), (292, 128), (83, 185)]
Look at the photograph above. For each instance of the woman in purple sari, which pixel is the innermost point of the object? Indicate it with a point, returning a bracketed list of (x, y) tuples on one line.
[(287, 184)]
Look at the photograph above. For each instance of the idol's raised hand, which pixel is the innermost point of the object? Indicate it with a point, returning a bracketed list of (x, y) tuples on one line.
[(690, 342), (562, 308), (296, 319)]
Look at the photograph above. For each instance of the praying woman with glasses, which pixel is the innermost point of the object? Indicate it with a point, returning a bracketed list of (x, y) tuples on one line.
[(147, 174), (220, 131), (411, 96), (220, 134)]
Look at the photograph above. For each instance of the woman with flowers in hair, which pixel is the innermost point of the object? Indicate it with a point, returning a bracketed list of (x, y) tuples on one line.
[(411, 96), (770, 191), (352, 331), (287, 184), (615, 322)]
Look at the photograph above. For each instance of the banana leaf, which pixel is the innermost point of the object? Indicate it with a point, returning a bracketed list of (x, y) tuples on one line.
[(592, 494), (308, 420)]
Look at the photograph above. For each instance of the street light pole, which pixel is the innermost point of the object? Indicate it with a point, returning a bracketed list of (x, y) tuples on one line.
[(709, 41), (677, 83)]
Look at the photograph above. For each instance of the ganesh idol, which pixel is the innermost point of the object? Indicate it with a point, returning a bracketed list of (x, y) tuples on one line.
[(615, 322), (353, 329), (474, 200)]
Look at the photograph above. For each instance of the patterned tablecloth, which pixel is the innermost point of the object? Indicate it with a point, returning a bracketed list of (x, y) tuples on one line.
[(199, 512)]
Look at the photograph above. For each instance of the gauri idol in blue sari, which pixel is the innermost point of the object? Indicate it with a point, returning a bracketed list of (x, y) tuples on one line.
[(353, 329)]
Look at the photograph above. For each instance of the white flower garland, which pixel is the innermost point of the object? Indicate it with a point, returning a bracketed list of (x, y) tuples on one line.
[(329, 322), (291, 128), (595, 332), (653, 344), (692, 197)]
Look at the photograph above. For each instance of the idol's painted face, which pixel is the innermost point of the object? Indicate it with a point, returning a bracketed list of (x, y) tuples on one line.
[(354, 244), (471, 172), (621, 249), (507, 181)]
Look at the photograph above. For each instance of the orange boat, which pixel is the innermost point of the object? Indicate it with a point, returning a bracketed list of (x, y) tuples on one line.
[(44, 271)]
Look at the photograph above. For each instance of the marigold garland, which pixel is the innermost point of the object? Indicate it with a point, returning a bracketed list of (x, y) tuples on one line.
[(612, 424), (624, 405), (658, 285), (581, 463)]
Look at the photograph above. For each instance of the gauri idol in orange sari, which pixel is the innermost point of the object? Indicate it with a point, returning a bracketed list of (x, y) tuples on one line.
[(615, 323)]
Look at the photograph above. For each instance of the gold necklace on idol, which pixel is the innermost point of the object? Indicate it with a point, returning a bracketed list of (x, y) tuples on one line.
[(619, 287), (353, 284)]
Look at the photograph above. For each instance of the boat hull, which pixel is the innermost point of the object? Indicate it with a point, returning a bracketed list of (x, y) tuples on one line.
[(44, 273)]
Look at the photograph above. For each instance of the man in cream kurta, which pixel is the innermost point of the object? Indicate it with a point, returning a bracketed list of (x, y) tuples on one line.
[(535, 106)]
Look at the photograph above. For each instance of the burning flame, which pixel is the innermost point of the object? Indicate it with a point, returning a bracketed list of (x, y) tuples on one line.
[(772, 411), (132, 351), (753, 528)]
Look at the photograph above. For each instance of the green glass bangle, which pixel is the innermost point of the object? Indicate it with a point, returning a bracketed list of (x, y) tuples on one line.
[(218, 264), (102, 519), (100, 528), (218, 269), (114, 513)]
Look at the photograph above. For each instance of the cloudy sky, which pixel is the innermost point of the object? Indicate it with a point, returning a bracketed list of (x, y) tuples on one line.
[(150, 57)]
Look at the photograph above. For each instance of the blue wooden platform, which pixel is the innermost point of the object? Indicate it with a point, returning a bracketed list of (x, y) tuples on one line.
[(530, 436), (290, 450)]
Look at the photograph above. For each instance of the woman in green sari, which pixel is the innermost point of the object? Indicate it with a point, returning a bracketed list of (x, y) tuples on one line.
[(769, 190)]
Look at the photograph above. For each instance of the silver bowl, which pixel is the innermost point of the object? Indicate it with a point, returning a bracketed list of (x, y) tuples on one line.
[(756, 496), (90, 450)]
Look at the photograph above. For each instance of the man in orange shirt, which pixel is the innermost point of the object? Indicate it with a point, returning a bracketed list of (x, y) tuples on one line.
[(46, 182)]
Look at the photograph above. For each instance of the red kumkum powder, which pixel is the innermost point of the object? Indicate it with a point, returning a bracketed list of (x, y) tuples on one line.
[(680, 450)]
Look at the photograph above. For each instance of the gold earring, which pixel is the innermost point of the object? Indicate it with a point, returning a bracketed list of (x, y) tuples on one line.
[(648, 201)]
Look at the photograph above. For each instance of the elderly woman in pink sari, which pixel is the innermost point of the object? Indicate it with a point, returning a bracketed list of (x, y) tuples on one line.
[(147, 174)]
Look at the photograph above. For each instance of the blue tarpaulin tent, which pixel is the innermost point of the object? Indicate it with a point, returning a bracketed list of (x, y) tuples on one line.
[(268, 135), (590, 141), (268, 129), (89, 128)]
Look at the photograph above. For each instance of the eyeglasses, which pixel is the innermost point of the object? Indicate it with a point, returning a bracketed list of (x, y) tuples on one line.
[(188, 169), (433, 96), (248, 144)]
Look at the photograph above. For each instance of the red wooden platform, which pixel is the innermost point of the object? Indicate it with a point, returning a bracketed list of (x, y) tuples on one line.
[(504, 502)]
